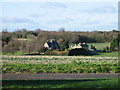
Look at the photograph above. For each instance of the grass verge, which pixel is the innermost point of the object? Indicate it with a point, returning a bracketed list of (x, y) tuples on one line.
[(81, 83), (104, 54)]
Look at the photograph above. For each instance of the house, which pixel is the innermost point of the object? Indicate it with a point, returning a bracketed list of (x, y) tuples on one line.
[(80, 45), (84, 45), (51, 44)]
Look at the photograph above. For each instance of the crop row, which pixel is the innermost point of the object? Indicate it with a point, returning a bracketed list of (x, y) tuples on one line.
[(47, 61), (84, 57), (73, 67), (4, 58), (55, 58)]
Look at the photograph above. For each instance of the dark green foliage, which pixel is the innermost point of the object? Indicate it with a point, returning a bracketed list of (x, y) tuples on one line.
[(6, 38), (85, 38), (106, 49), (23, 33), (78, 51), (93, 47), (115, 44), (98, 83), (63, 45)]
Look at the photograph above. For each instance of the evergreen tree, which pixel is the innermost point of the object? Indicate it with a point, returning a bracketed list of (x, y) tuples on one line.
[(115, 43)]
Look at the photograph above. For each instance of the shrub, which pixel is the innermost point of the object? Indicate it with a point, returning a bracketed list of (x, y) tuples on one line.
[(115, 44), (106, 49), (78, 51), (93, 47)]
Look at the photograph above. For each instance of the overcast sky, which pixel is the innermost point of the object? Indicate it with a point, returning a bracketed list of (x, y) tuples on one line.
[(73, 16)]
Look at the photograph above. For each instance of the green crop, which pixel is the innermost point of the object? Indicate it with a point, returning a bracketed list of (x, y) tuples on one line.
[(74, 67), (59, 64)]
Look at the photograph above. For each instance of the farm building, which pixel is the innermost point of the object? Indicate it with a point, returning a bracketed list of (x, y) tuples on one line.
[(80, 45), (51, 44)]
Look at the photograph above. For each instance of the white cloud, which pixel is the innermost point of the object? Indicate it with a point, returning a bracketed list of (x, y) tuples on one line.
[(17, 20), (52, 16), (102, 10)]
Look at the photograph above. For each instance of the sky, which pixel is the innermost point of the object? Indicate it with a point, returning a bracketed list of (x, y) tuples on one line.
[(51, 16)]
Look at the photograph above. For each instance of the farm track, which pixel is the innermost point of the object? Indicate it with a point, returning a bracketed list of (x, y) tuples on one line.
[(55, 76)]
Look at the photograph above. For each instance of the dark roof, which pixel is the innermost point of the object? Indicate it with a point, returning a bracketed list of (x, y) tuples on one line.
[(49, 44), (84, 45)]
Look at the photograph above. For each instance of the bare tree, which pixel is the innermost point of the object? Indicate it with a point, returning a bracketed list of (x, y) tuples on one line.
[(62, 29)]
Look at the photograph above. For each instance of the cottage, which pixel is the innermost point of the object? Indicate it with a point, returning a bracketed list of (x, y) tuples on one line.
[(80, 45), (84, 45), (51, 44)]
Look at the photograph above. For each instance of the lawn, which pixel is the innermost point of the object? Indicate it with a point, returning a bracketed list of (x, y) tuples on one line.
[(104, 54), (100, 46), (79, 83)]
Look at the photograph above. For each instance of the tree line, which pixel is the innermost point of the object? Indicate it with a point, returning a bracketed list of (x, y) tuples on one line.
[(28, 41)]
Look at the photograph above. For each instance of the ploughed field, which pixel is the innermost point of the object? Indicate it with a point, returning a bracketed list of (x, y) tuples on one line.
[(59, 64)]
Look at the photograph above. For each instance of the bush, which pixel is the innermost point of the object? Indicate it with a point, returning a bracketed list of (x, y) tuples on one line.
[(78, 51), (106, 49), (93, 47), (115, 44)]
